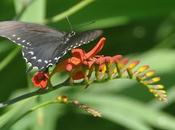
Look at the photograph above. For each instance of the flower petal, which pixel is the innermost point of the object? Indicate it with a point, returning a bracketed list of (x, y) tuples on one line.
[(96, 49), (78, 53)]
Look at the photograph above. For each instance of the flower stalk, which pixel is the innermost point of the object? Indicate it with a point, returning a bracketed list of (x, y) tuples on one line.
[(59, 100)]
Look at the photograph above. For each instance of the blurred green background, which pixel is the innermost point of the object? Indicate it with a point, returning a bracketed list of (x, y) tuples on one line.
[(143, 30)]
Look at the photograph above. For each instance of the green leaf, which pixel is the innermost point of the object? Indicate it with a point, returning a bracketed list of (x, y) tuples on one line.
[(129, 113), (29, 15), (114, 13)]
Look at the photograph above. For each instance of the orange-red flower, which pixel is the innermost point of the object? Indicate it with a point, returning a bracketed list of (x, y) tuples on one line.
[(81, 61), (80, 58), (40, 79)]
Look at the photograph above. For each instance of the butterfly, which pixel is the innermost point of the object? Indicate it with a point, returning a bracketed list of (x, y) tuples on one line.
[(43, 46)]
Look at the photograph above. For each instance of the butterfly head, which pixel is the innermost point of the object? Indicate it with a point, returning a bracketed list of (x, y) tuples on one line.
[(71, 34)]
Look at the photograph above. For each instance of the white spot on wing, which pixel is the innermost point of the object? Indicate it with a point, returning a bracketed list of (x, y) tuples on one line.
[(56, 58), (9, 38), (25, 59), (50, 64), (39, 60), (67, 39), (42, 68), (46, 61), (22, 53), (64, 52), (31, 52), (30, 64), (35, 67), (34, 58)]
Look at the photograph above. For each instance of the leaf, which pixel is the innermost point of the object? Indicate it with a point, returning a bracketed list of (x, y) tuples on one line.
[(114, 107), (29, 15), (117, 12)]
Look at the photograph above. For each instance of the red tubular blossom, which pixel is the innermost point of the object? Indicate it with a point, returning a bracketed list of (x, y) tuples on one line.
[(96, 49), (117, 58), (109, 59), (100, 60), (80, 57), (40, 79), (124, 61)]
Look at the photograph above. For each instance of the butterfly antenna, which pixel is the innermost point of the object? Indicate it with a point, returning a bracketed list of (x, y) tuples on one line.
[(70, 25), (84, 24)]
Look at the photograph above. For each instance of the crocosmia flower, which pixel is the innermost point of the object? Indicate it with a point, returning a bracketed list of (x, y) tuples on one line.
[(40, 79), (92, 66)]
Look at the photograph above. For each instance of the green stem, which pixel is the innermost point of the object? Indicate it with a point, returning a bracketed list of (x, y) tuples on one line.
[(30, 111), (34, 93), (129, 73), (70, 11), (118, 70)]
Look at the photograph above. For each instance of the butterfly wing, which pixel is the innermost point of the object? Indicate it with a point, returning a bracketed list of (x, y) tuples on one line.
[(39, 42), (43, 46)]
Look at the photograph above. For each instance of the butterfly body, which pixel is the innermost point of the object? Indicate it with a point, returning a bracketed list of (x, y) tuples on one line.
[(41, 45)]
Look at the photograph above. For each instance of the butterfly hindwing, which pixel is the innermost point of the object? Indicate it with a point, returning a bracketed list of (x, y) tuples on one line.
[(82, 38), (41, 57)]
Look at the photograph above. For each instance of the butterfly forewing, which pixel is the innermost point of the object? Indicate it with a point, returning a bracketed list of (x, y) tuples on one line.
[(39, 42), (28, 34), (43, 46)]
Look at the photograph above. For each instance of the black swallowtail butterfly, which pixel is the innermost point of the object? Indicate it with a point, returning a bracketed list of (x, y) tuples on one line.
[(41, 45)]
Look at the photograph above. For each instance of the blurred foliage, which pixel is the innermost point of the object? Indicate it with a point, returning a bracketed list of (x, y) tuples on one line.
[(143, 30)]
